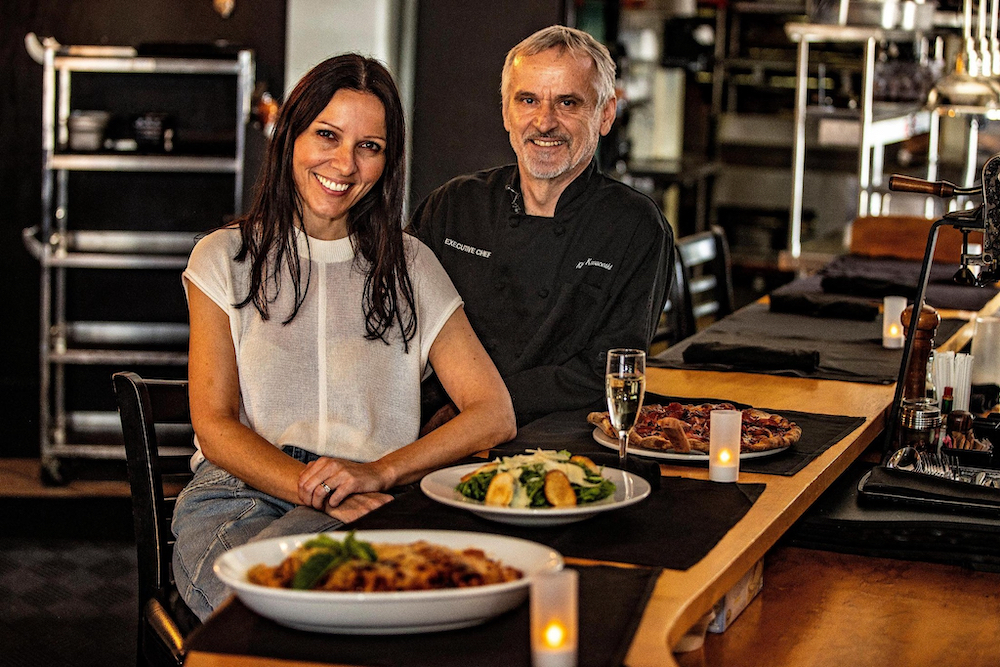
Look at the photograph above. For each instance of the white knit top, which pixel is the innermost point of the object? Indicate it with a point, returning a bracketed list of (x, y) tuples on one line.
[(316, 382)]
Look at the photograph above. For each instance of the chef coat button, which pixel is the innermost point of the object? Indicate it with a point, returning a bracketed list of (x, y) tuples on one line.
[(514, 222), (560, 230), (543, 293)]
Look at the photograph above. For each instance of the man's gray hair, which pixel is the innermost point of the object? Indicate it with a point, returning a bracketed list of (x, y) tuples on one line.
[(578, 43)]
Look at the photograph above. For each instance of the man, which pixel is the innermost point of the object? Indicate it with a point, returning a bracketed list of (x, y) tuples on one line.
[(556, 262)]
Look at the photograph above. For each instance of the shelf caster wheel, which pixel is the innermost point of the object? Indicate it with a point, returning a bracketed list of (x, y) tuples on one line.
[(52, 472)]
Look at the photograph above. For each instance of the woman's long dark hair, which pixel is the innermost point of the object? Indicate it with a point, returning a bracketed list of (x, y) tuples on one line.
[(375, 221)]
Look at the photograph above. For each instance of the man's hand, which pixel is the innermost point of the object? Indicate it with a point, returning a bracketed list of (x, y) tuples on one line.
[(446, 413)]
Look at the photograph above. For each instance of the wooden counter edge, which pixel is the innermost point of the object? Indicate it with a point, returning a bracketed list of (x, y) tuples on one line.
[(673, 609), (204, 659)]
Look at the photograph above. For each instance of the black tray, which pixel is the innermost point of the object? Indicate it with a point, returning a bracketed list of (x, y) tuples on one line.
[(903, 495)]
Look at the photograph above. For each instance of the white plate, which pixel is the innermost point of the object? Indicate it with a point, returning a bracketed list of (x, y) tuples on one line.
[(603, 438), (387, 613), (440, 486)]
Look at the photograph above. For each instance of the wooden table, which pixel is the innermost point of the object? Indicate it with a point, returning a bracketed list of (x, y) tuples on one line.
[(681, 598)]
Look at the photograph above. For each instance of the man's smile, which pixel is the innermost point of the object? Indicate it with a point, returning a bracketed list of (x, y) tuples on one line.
[(547, 142)]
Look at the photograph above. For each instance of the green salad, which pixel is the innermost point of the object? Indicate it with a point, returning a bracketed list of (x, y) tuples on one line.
[(540, 478)]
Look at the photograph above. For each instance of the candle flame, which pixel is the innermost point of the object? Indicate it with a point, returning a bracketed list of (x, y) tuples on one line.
[(554, 635), (725, 456), (894, 330)]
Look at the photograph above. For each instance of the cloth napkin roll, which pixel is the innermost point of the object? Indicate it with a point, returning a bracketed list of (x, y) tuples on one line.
[(751, 357), (825, 305)]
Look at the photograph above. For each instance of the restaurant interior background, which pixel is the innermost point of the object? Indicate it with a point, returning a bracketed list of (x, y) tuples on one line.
[(705, 126)]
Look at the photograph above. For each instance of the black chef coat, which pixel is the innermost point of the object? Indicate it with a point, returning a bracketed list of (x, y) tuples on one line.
[(549, 296)]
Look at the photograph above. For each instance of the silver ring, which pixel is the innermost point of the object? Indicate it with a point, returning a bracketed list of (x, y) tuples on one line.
[(328, 489)]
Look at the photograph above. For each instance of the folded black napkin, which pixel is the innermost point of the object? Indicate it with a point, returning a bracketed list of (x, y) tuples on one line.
[(906, 485), (825, 305), (751, 357)]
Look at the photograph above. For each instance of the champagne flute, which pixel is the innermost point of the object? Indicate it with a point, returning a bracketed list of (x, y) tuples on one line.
[(625, 387)]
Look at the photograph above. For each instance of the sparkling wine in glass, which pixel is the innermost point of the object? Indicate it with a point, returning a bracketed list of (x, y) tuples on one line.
[(625, 386)]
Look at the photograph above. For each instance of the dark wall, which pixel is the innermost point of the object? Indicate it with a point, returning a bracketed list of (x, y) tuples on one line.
[(461, 45), (257, 24)]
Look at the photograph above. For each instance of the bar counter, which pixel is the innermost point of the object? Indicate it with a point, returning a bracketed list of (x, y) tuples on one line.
[(681, 598)]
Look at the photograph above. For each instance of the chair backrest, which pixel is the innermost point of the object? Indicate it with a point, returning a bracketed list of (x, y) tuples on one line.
[(157, 468), (702, 285), (905, 237), (677, 321), (705, 258)]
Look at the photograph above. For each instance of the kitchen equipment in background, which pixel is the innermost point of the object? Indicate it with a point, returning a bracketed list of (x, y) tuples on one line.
[(154, 132), (655, 98), (86, 130), (968, 84), (889, 14)]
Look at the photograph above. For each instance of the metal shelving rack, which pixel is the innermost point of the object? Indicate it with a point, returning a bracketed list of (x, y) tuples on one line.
[(875, 125), (60, 249)]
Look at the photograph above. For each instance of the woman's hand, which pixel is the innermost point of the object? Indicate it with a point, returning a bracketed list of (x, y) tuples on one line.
[(356, 506), (328, 482)]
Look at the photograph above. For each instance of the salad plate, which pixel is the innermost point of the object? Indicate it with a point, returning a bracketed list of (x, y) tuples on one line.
[(392, 612), (604, 439), (440, 486)]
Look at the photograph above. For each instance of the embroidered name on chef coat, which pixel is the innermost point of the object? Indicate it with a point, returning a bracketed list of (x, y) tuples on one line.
[(467, 248), (607, 266)]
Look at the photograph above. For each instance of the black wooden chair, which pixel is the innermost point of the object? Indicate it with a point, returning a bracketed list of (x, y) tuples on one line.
[(706, 259), (157, 470), (676, 321), (702, 289)]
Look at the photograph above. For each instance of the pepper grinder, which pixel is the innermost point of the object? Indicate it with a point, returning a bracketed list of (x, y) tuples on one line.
[(915, 382)]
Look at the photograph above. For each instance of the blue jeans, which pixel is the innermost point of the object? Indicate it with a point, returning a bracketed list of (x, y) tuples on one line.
[(216, 512)]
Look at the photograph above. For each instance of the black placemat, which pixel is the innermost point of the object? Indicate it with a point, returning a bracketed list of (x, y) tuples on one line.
[(835, 306), (849, 350), (880, 277), (610, 604), (673, 528), (570, 430)]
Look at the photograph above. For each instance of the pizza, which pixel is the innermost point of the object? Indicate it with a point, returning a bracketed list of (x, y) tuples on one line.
[(685, 428)]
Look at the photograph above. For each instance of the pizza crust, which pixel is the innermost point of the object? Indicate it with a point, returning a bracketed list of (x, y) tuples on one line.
[(660, 431)]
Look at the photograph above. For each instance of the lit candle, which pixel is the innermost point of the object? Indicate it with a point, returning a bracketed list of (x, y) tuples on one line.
[(724, 445), (554, 619), (892, 327)]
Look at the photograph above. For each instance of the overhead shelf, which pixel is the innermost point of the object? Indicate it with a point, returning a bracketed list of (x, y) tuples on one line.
[(138, 163), (150, 65)]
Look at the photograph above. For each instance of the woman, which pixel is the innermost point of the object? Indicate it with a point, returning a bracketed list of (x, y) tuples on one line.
[(313, 320)]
